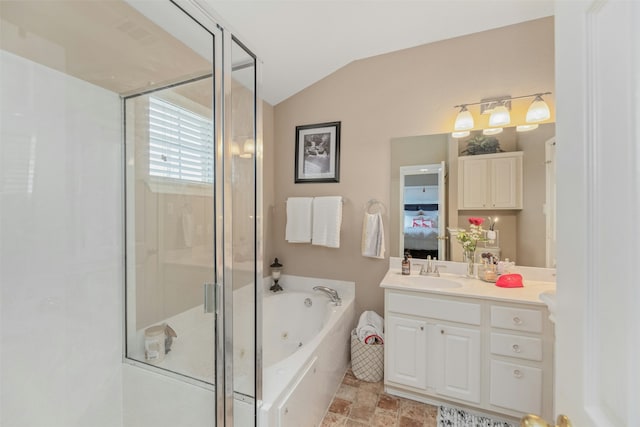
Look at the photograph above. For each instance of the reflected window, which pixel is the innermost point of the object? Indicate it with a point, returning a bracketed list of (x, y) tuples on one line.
[(180, 143)]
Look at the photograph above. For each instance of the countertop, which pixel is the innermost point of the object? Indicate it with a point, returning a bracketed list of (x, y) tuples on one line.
[(471, 288)]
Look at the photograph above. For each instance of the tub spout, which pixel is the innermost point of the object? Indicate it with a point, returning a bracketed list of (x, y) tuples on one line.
[(331, 293)]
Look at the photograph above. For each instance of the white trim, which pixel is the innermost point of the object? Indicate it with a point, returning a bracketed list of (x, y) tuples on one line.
[(550, 204)]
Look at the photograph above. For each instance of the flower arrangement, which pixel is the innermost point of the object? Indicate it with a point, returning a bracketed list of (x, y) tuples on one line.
[(469, 239)]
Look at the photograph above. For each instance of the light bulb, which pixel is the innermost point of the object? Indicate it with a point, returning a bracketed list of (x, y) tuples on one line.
[(538, 111), (464, 120), (499, 116)]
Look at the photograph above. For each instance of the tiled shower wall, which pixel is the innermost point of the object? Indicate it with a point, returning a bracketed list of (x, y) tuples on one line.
[(61, 246)]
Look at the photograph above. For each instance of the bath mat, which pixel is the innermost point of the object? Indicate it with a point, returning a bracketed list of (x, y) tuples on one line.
[(454, 417)]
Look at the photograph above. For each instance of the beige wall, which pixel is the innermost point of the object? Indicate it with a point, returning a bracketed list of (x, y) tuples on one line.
[(403, 93)]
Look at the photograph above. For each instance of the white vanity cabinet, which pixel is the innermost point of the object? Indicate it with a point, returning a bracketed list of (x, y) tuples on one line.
[(433, 345), (456, 367), (490, 181), (489, 354), (406, 366)]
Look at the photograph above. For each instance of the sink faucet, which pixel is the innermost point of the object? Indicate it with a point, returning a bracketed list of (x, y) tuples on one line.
[(431, 269), (331, 293)]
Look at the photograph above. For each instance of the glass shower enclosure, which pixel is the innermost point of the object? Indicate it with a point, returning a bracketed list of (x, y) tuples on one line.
[(186, 89)]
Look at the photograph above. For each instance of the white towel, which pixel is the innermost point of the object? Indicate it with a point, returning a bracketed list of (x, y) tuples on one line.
[(373, 236), (370, 329), (327, 220), (298, 220)]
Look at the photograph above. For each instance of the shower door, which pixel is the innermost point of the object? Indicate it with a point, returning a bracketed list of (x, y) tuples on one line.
[(191, 229)]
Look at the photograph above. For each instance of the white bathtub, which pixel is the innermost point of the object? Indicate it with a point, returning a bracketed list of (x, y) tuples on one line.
[(305, 350)]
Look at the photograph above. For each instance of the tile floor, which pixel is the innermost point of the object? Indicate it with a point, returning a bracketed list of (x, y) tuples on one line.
[(360, 403)]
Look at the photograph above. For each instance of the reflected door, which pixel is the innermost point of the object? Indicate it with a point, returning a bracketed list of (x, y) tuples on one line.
[(422, 211)]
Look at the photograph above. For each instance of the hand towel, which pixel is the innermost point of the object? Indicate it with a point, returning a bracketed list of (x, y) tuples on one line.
[(298, 228), (327, 220), (373, 236), (370, 329)]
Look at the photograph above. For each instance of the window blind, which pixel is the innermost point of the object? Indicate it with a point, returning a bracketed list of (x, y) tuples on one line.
[(180, 143)]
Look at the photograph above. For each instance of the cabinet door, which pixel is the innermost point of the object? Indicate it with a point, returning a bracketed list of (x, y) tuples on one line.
[(405, 341), (516, 387), (458, 363), (473, 176), (504, 179)]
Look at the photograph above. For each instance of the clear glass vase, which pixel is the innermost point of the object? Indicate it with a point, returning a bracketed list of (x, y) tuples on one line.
[(469, 259)]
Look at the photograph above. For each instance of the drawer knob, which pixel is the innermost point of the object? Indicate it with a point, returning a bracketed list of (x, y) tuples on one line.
[(517, 373), (422, 328), (516, 348), (517, 320)]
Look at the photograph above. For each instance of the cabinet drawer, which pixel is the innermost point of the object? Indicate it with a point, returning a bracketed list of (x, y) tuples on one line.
[(516, 346), (453, 311), (516, 387), (519, 319)]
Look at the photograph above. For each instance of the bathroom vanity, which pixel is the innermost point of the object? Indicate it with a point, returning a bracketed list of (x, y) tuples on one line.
[(467, 342)]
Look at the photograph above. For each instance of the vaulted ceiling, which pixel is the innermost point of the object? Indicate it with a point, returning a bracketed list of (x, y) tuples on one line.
[(303, 41)]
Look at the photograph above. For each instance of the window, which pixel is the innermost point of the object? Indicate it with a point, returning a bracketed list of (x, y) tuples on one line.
[(180, 143)]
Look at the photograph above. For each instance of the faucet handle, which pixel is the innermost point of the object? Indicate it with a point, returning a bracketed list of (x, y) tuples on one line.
[(435, 269), (424, 269)]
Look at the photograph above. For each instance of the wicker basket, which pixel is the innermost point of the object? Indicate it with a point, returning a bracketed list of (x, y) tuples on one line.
[(367, 360)]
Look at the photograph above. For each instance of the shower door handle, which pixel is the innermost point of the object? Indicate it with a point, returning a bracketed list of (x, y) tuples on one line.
[(209, 297)]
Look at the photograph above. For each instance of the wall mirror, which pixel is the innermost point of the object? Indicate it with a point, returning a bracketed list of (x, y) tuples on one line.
[(526, 236)]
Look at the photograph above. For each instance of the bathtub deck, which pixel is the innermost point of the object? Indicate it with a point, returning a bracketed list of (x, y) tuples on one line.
[(360, 403)]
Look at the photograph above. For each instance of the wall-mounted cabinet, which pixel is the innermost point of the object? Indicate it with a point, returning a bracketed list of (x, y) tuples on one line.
[(490, 181)]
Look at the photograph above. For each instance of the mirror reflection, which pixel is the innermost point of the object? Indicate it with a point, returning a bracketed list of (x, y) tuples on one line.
[(513, 181), (422, 203)]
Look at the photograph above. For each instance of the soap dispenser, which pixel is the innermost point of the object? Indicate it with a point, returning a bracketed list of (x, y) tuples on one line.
[(406, 265)]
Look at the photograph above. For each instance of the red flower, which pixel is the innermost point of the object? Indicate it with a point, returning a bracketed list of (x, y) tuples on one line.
[(476, 221)]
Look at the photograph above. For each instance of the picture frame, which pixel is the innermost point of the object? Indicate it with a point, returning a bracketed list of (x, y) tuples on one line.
[(317, 153)]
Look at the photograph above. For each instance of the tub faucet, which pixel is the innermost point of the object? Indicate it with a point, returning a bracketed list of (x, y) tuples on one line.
[(331, 293)]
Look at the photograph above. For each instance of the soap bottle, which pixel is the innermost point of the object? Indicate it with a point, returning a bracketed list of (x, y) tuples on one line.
[(406, 265)]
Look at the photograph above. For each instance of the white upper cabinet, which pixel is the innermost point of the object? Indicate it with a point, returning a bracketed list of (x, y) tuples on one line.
[(490, 181)]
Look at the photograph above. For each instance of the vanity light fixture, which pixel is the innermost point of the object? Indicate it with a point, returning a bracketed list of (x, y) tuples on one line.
[(538, 110), (499, 116), (499, 109), (464, 120)]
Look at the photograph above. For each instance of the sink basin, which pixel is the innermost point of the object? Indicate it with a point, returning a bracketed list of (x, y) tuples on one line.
[(430, 282)]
